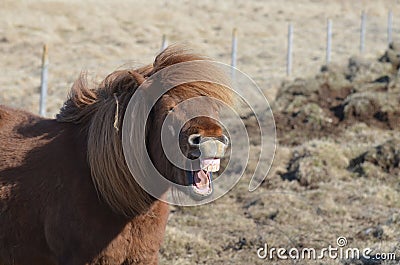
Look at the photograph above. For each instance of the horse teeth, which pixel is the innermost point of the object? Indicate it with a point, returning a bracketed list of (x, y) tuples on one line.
[(210, 165)]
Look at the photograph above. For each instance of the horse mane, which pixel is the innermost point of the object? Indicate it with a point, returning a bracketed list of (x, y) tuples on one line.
[(100, 110)]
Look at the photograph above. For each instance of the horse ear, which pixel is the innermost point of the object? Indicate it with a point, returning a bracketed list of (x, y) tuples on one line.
[(138, 77)]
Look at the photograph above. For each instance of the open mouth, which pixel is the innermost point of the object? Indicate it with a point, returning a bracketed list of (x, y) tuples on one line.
[(201, 181)]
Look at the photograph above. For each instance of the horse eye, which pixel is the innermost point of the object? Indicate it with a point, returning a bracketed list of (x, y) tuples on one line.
[(171, 109)]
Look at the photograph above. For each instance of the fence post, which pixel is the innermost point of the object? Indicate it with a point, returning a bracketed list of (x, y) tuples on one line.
[(328, 41), (289, 50), (363, 31), (234, 48), (233, 53), (390, 27), (164, 42), (43, 83)]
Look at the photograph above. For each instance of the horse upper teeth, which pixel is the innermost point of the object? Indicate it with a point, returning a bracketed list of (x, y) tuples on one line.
[(210, 165)]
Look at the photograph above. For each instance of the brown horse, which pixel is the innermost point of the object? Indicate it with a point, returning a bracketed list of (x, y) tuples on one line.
[(66, 193)]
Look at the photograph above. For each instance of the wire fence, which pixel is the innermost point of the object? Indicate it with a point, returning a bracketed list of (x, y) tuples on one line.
[(303, 48)]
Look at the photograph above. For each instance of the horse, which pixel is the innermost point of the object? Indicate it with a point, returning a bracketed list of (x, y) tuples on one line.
[(67, 195)]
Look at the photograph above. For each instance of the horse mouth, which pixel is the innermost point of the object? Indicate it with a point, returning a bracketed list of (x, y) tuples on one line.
[(201, 181)]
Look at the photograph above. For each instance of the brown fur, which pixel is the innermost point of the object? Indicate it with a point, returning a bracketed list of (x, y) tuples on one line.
[(66, 194)]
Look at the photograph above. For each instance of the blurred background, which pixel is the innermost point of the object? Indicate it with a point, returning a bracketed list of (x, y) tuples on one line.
[(100, 36)]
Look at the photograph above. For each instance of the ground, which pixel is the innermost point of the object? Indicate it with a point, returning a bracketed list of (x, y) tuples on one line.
[(336, 170)]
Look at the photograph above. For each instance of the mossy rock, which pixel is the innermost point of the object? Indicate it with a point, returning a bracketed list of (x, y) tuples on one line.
[(314, 115), (384, 158), (316, 161), (374, 108), (299, 90)]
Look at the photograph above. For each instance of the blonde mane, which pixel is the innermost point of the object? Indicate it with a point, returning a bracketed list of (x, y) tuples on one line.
[(100, 111)]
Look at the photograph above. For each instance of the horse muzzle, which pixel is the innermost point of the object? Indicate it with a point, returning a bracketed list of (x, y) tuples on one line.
[(209, 150)]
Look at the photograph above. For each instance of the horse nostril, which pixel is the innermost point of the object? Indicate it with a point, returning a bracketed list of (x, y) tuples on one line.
[(194, 139), (224, 139)]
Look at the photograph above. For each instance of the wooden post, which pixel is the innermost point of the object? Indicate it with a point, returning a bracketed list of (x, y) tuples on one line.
[(164, 42), (363, 31), (234, 48), (328, 41), (289, 50), (43, 83), (390, 27)]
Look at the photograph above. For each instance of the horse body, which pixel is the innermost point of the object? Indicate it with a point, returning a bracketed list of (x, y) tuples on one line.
[(66, 224), (67, 196)]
